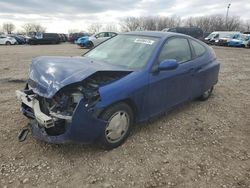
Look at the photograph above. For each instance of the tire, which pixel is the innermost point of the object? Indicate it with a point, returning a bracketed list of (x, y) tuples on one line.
[(122, 114), (7, 43), (206, 94), (90, 45), (31, 43)]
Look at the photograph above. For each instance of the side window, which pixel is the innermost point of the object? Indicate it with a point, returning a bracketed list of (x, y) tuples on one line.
[(100, 35), (176, 48), (112, 34), (198, 48), (106, 34)]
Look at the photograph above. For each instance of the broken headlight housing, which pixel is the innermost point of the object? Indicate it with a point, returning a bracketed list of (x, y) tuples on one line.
[(63, 104)]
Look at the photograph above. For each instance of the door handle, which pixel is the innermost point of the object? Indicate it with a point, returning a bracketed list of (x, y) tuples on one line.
[(192, 71), (195, 69)]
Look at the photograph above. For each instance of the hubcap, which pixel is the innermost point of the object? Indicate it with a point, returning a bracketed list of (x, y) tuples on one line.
[(117, 126)]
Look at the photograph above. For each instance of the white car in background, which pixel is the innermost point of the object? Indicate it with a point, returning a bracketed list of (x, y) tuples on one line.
[(7, 40), (94, 40)]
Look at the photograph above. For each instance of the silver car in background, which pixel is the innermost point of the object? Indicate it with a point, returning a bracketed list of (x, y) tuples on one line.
[(5, 40)]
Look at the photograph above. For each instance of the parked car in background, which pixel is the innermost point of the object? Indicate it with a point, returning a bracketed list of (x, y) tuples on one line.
[(45, 38), (241, 41), (130, 78), (165, 30), (248, 44), (74, 36), (20, 39), (191, 31), (224, 39), (61, 37), (94, 40), (205, 34), (66, 37), (7, 40), (216, 35)]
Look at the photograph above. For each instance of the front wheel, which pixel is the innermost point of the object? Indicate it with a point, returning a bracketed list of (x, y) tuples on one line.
[(90, 45), (206, 94), (119, 119), (8, 43)]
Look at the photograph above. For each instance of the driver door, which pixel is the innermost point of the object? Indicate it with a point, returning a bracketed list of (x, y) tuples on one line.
[(171, 87)]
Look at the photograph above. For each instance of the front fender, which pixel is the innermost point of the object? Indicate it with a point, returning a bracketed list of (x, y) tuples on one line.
[(133, 87)]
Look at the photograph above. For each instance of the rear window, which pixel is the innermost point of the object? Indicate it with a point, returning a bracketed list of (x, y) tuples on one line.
[(198, 48)]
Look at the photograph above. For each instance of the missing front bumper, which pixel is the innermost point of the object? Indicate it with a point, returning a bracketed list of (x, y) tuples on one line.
[(33, 103), (84, 127)]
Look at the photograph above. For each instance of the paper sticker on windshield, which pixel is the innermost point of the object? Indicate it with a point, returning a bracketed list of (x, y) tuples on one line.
[(144, 41)]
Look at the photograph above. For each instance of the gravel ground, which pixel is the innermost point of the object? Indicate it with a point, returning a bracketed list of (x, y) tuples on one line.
[(199, 144)]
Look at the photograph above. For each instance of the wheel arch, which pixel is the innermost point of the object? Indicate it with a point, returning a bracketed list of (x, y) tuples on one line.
[(127, 101)]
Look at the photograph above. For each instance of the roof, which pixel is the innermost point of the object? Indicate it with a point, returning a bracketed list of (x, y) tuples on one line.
[(159, 34)]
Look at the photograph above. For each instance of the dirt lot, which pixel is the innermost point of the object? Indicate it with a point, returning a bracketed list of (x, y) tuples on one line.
[(200, 144)]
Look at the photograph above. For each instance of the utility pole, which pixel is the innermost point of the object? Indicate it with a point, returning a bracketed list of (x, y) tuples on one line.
[(227, 14)]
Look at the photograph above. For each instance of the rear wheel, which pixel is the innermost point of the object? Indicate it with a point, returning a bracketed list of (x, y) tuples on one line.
[(206, 94), (8, 43), (90, 45), (119, 119)]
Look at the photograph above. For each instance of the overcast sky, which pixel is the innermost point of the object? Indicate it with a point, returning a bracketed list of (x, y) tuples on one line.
[(62, 15)]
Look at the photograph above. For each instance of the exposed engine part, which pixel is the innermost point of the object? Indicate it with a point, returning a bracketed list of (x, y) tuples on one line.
[(62, 105)]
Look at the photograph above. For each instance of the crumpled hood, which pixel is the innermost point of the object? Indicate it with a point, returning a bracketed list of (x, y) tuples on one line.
[(47, 75)]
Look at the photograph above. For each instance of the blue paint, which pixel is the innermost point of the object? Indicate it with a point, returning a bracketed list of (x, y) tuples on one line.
[(149, 92)]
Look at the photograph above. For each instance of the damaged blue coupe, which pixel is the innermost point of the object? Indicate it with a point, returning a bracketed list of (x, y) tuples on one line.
[(127, 79)]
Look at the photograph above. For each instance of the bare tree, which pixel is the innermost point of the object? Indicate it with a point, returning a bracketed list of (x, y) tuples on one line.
[(111, 27), (233, 23), (206, 23), (8, 27), (214, 23), (38, 28), (168, 22), (130, 24), (149, 23), (245, 25), (94, 28), (33, 27), (28, 28)]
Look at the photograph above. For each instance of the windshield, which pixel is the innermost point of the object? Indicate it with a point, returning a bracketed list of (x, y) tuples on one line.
[(125, 50), (212, 35)]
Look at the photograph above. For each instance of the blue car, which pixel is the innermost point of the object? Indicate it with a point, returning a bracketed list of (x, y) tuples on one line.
[(241, 41), (128, 79), (83, 41), (19, 39)]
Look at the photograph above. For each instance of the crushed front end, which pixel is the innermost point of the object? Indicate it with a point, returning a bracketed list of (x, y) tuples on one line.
[(70, 115)]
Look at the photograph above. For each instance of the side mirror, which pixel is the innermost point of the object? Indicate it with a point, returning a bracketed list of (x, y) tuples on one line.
[(168, 64)]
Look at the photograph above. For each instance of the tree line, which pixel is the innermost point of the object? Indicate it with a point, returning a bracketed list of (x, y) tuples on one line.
[(27, 28), (154, 23), (157, 23), (206, 23)]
